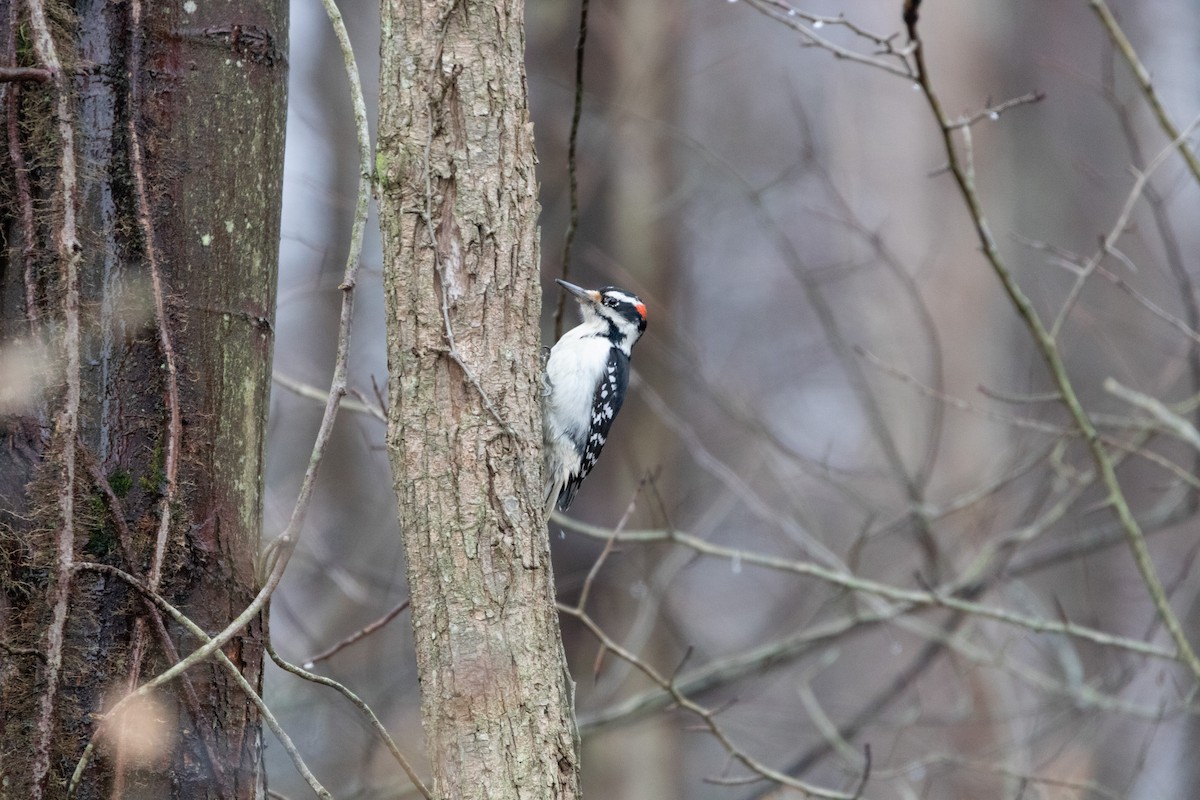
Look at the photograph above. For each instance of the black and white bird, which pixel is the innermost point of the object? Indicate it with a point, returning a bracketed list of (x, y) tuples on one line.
[(585, 382)]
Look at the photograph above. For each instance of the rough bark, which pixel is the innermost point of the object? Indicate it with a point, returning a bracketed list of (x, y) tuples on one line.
[(459, 213), (144, 451)]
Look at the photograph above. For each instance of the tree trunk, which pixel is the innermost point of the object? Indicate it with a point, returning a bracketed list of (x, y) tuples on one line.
[(140, 218), (459, 214)]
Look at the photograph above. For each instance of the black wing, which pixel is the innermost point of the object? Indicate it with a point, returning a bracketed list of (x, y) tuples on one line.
[(610, 394)]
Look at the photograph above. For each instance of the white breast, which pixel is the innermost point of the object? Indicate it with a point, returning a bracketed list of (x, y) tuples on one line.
[(576, 365)]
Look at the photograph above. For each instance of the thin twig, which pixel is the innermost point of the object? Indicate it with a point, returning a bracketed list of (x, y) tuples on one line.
[(358, 635), (1172, 250), (1053, 358), (572, 171), (945, 597), (381, 731), (24, 74), (993, 112), (1176, 425), (1108, 244), (22, 652), (1076, 264), (313, 393), (1077, 788), (807, 25), (958, 403), (198, 632), (608, 547), (149, 243), (707, 716), (1142, 76)]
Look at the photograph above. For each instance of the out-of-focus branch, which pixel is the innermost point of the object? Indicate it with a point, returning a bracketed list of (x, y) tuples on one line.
[(1077, 788), (361, 705), (1142, 76), (319, 395), (911, 481), (1109, 243), (1000, 559), (1172, 250), (707, 716), (1027, 423), (943, 597), (1050, 353), (1178, 426), (358, 635), (195, 630)]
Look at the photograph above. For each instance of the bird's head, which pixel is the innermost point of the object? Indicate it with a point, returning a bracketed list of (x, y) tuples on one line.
[(620, 314)]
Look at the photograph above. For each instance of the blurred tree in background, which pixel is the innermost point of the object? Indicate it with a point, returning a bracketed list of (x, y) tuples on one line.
[(139, 206)]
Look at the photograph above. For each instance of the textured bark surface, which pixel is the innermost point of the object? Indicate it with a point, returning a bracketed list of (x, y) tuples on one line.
[(459, 215), (177, 113)]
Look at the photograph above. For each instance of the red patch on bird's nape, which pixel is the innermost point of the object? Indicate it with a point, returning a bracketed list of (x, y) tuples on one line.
[(641, 309)]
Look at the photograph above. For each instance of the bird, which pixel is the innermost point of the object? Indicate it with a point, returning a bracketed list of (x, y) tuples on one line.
[(586, 377)]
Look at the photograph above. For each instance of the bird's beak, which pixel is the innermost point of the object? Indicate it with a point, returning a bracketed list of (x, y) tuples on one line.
[(580, 293)]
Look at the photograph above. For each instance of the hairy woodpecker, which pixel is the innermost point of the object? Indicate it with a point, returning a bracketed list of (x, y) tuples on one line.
[(585, 382)]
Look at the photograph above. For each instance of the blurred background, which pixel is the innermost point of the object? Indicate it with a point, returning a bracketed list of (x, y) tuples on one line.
[(832, 375)]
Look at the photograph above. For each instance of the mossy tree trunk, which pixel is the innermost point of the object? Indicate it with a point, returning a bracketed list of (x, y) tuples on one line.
[(141, 193), (459, 213)]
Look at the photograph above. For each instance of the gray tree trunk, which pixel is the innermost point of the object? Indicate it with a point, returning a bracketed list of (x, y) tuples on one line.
[(459, 214), (141, 186)]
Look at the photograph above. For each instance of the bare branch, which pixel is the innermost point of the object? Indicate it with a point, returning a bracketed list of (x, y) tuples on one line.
[(993, 112), (376, 725), (887, 57), (67, 418), (313, 393), (198, 632), (1142, 76), (1108, 244), (707, 716), (572, 171), (945, 597), (358, 635), (1050, 353), (25, 74), (1178, 426)]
